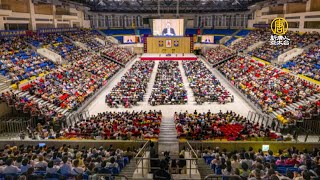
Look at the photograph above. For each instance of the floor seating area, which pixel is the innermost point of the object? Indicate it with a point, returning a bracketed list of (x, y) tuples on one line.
[(116, 125), (229, 126), (133, 85), (205, 86), (18, 61), (269, 51), (168, 88), (218, 54), (268, 87), (65, 162), (307, 63)]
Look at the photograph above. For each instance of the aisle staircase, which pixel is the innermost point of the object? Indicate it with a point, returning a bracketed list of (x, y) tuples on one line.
[(147, 95), (4, 83), (168, 140), (191, 98), (42, 102), (203, 168), (295, 105), (129, 169)]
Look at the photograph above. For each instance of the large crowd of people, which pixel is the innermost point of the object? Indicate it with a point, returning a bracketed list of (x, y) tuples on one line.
[(67, 88), (65, 162), (286, 164), (228, 125), (132, 86), (45, 113), (118, 54), (270, 51), (205, 86), (308, 111), (218, 54), (88, 38), (168, 87), (252, 38), (268, 87), (59, 44), (116, 125), (307, 63), (18, 61)]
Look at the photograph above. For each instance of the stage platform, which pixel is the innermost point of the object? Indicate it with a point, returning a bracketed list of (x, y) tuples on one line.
[(168, 57)]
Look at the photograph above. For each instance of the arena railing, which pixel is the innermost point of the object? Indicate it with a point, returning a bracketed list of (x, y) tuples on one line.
[(15, 125), (222, 177)]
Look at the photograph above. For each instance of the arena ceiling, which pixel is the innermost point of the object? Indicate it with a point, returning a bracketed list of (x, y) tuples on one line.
[(167, 6)]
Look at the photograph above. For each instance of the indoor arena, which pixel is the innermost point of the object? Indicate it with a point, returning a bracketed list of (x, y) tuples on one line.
[(160, 89)]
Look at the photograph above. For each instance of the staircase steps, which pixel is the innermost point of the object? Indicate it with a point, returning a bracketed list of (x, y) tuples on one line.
[(204, 168)]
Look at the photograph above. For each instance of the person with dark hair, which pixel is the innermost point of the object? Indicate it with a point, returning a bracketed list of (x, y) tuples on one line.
[(245, 170), (25, 165), (182, 164), (51, 169), (228, 170), (65, 168), (162, 174), (76, 170), (10, 169), (112, 163)]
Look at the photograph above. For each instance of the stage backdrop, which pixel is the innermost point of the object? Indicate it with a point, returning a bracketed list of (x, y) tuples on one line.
[(169, 44)]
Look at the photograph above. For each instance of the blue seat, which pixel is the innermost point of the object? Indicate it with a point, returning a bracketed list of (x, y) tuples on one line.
[(125, 160), (115, 171)]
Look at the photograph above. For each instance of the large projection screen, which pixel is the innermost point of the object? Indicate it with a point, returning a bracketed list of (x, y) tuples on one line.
[(168, 27)]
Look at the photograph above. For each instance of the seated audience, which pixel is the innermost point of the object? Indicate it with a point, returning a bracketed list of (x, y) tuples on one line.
[(122, 125), (133, 85), (268, 87), (205, 86), (118, 54), (255, 164), (18, 61), (252, 38), (270, 51), (168, 87), (70, 166), (229, 125), (307, 63), (218, 54)]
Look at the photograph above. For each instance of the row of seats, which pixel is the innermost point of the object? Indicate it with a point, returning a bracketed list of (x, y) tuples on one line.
[(270, 51), (229, 125), (18, 61), (205, 86), (132, 85), (307, 63), (268, 87), (117, 125)]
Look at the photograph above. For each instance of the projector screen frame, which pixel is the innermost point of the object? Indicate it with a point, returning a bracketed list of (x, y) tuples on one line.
[(160, 28)]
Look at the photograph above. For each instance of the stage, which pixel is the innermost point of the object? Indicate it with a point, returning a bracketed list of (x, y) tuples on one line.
[(168, 57)]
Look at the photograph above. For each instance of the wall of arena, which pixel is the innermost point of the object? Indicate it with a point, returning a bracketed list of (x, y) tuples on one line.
[(302, 17), (36, 16)]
